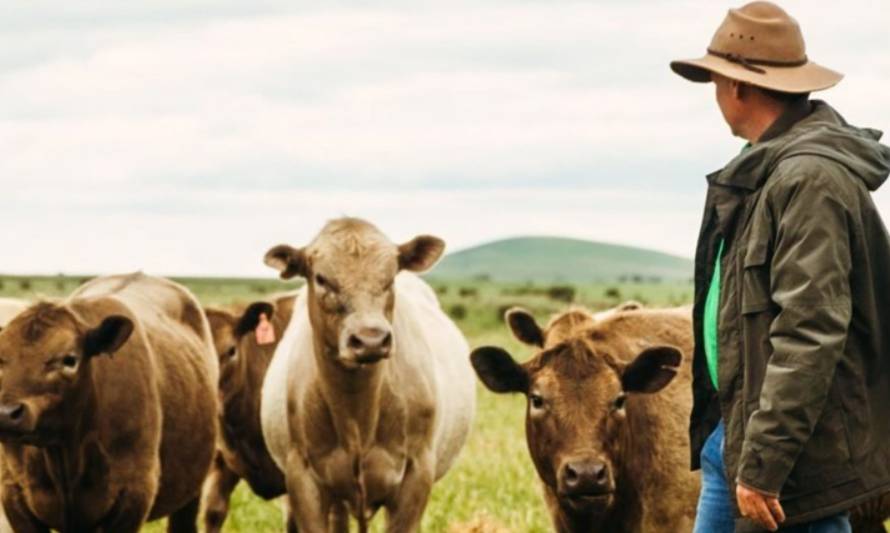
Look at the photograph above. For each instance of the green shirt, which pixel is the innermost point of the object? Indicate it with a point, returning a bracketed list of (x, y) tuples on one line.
[(712, 312)]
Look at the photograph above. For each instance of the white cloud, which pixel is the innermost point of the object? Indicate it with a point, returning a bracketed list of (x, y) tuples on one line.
[(136, 128)]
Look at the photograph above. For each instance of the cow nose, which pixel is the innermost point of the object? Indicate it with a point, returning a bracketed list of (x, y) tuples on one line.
[(584, 478), (12, 415), (370, 344)]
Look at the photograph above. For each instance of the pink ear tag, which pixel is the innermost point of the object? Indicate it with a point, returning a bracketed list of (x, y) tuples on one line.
[(265, 332)]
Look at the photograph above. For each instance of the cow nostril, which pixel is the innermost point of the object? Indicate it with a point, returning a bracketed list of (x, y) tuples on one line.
[(387, 341), (355, 343), (17, 412), (600, 474), (571, 475)]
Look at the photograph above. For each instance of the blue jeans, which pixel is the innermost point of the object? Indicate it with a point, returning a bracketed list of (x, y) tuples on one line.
[(716, 513)]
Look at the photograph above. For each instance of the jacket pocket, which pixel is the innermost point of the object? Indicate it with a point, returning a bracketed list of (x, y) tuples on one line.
[(755, 293)]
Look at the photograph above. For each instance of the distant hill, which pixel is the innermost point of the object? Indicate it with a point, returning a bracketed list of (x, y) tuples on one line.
[(552, 259)]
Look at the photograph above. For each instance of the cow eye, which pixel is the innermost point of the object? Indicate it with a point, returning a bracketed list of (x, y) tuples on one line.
[(324, 283), (619, 402), (231, 352), (66, 362), (537, 401)]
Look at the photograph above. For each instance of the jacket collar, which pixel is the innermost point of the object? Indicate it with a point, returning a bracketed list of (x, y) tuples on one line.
[(749, 169)]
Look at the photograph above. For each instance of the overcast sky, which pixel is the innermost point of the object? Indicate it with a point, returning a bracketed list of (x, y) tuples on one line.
[(188, 137)]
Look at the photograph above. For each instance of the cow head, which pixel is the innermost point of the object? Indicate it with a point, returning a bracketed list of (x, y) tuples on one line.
[(350, 269), (45, 356), (232, 339), (580, 394)]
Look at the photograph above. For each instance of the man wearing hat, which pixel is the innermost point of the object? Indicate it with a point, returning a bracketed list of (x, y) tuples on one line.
[(791, 415)]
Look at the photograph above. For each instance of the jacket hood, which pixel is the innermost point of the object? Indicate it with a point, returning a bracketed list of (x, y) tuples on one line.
[(823, 133)]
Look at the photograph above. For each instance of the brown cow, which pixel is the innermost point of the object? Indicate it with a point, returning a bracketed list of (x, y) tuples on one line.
[(107, 408), (607, 420), (243, 361)]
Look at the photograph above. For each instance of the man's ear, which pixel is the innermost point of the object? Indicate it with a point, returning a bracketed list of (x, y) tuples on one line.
[(111, 334), (652, 370), (524, 326), (420, 253), (498, 371), (287, 260), (251, 317)]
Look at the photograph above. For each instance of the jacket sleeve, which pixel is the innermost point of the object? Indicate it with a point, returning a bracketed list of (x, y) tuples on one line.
[(810, 285)]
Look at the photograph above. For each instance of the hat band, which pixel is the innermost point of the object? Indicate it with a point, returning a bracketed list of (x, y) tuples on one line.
[(754, 64)]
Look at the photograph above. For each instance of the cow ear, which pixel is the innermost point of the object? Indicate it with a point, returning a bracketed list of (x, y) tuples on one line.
[(218, 318), (525, 327), (652, 370), (287, 260), (251, 317), (498, 371), (111, 334), (420, 253)]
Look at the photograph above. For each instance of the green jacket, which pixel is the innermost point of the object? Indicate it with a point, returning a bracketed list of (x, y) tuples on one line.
[(804, 338)]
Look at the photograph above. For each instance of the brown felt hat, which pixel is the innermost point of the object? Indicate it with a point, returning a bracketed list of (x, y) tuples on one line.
[(760, 44)]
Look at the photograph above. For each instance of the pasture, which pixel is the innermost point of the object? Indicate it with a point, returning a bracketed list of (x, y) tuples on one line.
[(493, 488)]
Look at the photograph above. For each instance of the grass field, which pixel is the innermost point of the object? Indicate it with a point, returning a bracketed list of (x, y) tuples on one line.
[(493, 486)]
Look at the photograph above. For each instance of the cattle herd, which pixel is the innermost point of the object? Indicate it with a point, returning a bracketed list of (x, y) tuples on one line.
[(127, 401)]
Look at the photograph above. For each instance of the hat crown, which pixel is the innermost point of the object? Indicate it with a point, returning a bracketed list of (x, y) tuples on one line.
[(760, 31)]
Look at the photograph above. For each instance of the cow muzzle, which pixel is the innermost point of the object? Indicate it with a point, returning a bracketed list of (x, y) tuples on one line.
[(16, 419), (369, 345), (585, 481)]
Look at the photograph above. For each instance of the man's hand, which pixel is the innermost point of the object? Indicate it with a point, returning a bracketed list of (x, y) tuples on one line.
[(762, 509)]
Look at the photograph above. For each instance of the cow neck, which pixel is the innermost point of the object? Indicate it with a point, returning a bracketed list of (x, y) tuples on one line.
[(62, 456), (352, 396)]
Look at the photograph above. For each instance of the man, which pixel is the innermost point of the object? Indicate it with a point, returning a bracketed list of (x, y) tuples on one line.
[(791, 415)]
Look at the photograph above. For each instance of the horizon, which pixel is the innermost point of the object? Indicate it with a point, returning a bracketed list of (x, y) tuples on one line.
[(187, 138), (431, 272)]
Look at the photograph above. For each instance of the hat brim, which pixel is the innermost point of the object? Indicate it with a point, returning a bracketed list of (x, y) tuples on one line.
[(806, 78)]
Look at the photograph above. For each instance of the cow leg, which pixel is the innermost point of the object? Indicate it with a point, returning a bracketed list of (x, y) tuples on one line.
[(339, 518), (220, 484), (17, 513), (185, 520), (405, 512), (291, 522), (305, 498)]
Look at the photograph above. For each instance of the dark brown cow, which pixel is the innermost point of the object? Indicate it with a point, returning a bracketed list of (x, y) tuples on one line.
[(608, 411), (107, 408), (243, 361)]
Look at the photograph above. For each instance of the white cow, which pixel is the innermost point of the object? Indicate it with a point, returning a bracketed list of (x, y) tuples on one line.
[(370, 395)]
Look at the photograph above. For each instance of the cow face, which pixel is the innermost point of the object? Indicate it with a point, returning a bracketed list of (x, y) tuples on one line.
[(350, 269), (45, 355), (579, 399), (231, 333)]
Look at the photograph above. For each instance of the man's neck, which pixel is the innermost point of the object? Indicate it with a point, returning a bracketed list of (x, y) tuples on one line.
[(771, 121), (761, 121)]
